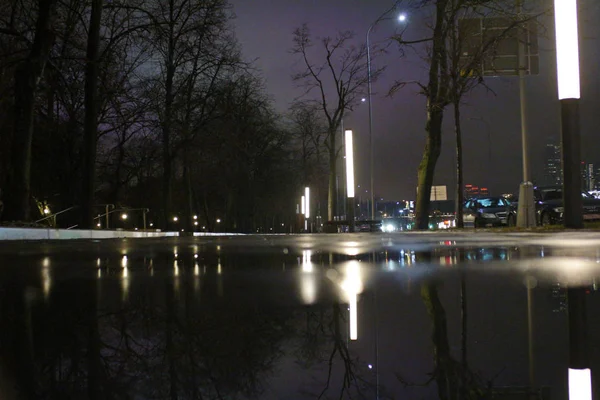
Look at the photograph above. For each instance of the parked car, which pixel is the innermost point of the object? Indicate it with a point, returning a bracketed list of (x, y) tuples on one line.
[(486, 211), (550, 205)]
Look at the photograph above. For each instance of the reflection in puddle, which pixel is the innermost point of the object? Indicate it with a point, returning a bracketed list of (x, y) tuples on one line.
[(181, 327), (46, 279), (352, 286)]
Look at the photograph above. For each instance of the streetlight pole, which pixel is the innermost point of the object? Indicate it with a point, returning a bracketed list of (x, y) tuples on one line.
[(401, 18), (569, 93), (370, 116)]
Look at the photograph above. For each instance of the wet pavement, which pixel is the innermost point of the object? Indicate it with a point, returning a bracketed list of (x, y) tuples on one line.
[(389, 316)]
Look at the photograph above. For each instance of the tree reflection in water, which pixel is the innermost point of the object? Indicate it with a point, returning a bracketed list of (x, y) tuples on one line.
[(161, 344)]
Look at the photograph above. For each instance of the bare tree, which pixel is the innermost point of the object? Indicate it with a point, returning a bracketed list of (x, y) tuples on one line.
[(451, 76), (185, 38), (338, 78), (91, 116), (309, 131), (27, 77)]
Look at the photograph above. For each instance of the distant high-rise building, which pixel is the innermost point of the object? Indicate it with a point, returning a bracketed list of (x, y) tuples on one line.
[(553, 167)]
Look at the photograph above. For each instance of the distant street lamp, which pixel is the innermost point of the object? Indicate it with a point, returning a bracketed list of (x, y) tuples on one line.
[(401, 18), (175, 219), (124, 216), (218, 220)]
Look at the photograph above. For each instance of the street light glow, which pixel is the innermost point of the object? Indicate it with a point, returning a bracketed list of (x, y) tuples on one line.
[(124, 216), (175, 219), (402, 17), (567, 49), (580, 384), (303, 207), (307, 199), (218, 220), (349, 163)]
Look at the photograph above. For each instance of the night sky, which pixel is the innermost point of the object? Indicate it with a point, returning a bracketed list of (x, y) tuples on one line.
[(491, 122)]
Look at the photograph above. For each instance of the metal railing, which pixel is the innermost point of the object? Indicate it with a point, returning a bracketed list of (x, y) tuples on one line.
[(52, 217), (124, 210)]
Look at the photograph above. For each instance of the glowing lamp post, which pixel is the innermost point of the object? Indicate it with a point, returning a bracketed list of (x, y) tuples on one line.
[(307, 208), (567, 58), (350, 177), (569, 92)]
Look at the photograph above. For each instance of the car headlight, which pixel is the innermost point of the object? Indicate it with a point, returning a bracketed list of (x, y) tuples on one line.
[(488, 215), (389, 228), (559, 210)]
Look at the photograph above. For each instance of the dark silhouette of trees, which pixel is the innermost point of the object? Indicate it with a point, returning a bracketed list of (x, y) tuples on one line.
[(338, 76), (27, 76)]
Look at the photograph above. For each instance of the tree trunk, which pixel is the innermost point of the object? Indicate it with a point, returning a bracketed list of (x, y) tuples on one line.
[(444, 370), (170, 326), (332, 195), (433, 145), (188, 224), (463, 335), (436, 101), (167, 122), (94, 363), (91, 118), (27, 77), (459, 167)]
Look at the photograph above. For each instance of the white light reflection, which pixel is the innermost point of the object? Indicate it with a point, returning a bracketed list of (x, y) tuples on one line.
[(98, 262), (219, 269), (125, 280), (175, 268), (308, 283), (306, 261), (46, 279), (196, 269), (352, 285), (351, 248)]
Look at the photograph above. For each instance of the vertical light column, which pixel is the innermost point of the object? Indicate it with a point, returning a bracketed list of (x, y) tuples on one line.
[(350, 179), (349, 163), (307, 225), (567, 62), (567, 49)]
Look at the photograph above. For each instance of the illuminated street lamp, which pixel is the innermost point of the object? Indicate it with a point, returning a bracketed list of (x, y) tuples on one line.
[(569, 87), (175, 219), (401, 18), (350, 177), (569, 93), (124, 216)]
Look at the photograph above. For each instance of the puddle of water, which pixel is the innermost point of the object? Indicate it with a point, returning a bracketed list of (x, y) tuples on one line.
[(294, 322)]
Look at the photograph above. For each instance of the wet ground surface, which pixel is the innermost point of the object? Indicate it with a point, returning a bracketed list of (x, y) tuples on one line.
[(294, 317)]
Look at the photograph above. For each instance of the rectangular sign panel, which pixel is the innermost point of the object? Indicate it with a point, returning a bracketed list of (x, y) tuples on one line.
[(499, 39)]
